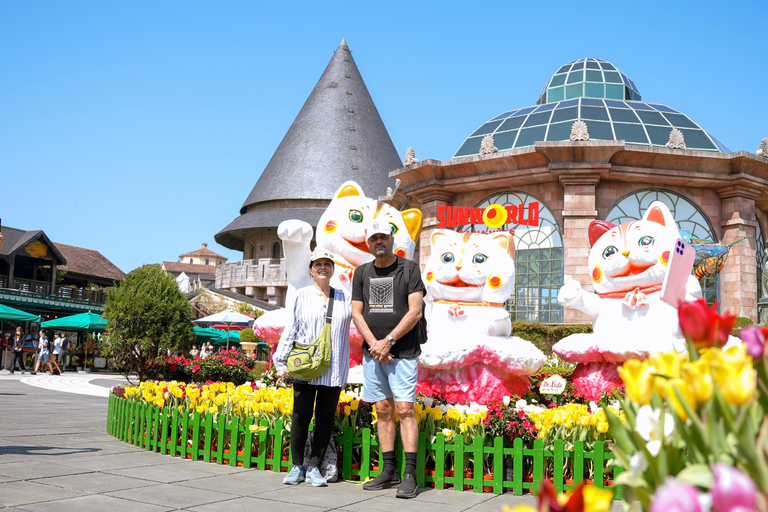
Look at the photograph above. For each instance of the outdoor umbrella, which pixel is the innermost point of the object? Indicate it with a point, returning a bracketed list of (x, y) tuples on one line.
[(231, 337), (9, 313), (206, 333), (87, 322), (227, 317)]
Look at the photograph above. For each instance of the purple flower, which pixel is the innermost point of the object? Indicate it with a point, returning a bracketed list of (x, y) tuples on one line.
[(754, 337), (733, 490), (675, 496)]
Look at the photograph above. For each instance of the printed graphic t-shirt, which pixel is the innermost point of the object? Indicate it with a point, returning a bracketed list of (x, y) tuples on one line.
[(384, 294)]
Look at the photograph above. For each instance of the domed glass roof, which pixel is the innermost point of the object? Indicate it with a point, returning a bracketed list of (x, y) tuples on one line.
[(611, 113)]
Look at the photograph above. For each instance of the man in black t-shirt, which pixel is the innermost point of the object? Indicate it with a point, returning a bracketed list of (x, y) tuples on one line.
[(385, 309)]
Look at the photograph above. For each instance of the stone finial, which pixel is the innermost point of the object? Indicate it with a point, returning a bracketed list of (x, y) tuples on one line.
[(676, 139), (579, 131), (410, 157), (488, 145), (763, 151)]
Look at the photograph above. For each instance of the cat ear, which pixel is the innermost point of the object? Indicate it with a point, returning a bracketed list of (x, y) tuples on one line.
[(659, 213), (598, 228), (412, 219), (347, 189), (505, 241), (438, 235)]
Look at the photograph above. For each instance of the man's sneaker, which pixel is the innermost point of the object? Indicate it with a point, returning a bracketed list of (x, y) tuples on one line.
[(315, 478), (408, 489), (383, 481), (294, 476)]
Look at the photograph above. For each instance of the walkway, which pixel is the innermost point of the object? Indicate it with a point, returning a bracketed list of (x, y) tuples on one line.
[(56, 455)]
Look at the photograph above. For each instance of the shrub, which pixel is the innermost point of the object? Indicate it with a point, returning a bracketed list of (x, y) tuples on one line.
[(247, 335), (544, 336), (741, 322)]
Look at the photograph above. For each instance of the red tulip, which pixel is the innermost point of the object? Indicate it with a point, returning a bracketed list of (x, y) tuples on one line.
[(548, 499), (703, 326)]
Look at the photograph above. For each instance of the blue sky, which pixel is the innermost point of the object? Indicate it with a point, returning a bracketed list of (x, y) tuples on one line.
[(139, 128)]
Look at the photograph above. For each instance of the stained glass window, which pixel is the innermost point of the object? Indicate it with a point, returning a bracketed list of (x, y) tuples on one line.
[(538, 259)]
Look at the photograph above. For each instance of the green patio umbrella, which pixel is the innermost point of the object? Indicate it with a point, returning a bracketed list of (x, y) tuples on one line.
[(9, 313), (206, 334), (90, 322), (234, 338)]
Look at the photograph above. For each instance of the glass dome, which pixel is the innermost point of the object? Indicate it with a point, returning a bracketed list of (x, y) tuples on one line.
[(631, 120)]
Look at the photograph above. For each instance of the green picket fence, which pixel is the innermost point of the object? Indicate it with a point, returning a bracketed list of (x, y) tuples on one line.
[(520, 469)]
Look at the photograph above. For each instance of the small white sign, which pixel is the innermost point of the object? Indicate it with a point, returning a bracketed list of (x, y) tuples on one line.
[(99, 362), (554, 385)]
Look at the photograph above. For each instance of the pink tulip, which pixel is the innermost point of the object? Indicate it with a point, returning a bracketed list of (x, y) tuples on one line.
[(733, 490), (675, 496), (754, 337)]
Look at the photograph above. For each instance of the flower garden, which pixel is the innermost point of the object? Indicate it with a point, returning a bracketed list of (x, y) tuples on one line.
[(687, 433)]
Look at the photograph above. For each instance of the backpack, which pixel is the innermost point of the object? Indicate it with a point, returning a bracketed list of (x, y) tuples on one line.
[(421, 326)]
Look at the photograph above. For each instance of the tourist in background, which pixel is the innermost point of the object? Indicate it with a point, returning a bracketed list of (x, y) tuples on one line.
[(62, 358), (319, 396), (194, 352), (43, 352), (18, 351)]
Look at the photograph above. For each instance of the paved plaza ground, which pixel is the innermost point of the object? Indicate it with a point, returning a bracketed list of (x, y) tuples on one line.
[(56, 455)]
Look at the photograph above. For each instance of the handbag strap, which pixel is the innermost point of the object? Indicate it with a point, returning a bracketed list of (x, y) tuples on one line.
[(329, 309)]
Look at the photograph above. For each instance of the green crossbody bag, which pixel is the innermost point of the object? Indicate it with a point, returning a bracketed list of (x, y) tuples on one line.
[(309, 360)]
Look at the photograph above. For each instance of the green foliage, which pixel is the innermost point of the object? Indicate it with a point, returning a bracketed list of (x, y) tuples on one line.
[(248, 336), (544, 336), (246, 309), (258, 370), (147, 315), (741, 322)]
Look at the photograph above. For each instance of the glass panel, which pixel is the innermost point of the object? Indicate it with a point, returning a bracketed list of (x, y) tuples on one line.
[(680, 120), (589, 101), (614, 103), (512, 123), (557, 80), (633, 133), (650, 117), (559, 131), (470, 147), (530, 135), (575, 77), (556, 94), (504, 140), (568, 103), (578, 65), (612, 77), (598, 130), (607, 65), (592, 65), (565, 114), (504, 115), (598, 113), (697, 139), (486, 128), (641, 106), (614, 91), (574, 91), (594, 76), (548, 106), (659, 134), (663, 108), (537, 119), (595, 90), (623, 115), (564, 68), (526, 110)]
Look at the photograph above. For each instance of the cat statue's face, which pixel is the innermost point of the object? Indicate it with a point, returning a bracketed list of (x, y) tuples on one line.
[(470, 267), (634, 254), (341, 229)]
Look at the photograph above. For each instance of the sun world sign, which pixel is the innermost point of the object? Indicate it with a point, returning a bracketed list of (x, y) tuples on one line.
[(493, 216)]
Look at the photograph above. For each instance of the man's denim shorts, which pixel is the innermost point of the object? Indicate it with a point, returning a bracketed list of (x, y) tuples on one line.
[(390, 380)]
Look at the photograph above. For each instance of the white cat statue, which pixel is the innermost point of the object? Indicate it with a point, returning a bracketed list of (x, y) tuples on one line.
[(627, 266), (341, 231), (470, 355)]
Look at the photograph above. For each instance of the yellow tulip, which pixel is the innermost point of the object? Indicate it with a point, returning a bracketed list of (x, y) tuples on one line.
[(447, 433), (671, 397), (596, 499), (519, 508), (667, 364), (698, 379), (354, 404), (735, 379), (348, 410), (638, 380)]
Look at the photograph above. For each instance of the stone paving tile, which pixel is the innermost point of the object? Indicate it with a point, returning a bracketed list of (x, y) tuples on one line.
[(36, 469), (172, 496), (166, 473), (211, 468), (118, 461), (95, 503), (389, 503), (335, 495), (95, 482), (248, 483), (249, 504), (451, 497), (23, 493)]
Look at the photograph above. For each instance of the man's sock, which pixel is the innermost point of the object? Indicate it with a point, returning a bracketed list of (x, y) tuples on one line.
[(390, 462), (410, 463)]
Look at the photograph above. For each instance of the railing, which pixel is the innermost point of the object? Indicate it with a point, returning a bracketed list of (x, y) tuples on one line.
[(44, 288), (226, 441), (251, 273)]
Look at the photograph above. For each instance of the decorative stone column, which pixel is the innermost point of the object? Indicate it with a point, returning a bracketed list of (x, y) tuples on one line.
[(738, 279), (429, 201), (579, 209)]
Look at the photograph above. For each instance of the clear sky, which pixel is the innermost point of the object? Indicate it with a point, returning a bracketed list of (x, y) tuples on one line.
[(139, 128)]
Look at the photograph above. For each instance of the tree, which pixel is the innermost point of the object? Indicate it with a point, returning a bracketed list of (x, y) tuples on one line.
[(147, 315)]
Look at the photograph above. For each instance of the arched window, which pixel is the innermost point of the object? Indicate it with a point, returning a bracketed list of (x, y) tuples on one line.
[(538, 260), (207, 261), (276, 251), (687, 216), (191, 260), (762, 276)]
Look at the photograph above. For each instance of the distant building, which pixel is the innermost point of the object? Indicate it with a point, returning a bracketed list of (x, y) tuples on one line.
[(194, 267), (337, 136), (203, 256)]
